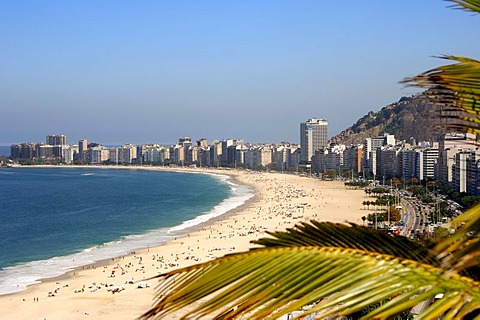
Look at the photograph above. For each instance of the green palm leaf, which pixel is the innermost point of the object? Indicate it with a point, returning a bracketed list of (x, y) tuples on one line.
[(462, 250), (467, 222), (455, 88), (339, 269), (326, 234), (270, 282), (471, 5)]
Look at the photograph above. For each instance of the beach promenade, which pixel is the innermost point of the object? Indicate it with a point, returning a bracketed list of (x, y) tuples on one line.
[(110, 289)]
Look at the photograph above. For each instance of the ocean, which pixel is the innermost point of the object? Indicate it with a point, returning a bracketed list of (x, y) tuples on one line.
[(53, 220)]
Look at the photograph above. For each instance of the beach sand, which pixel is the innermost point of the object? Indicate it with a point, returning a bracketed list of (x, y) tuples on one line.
[(280, 202)]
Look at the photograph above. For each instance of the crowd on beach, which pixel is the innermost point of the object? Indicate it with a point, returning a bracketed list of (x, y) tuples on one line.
[(122, 288)]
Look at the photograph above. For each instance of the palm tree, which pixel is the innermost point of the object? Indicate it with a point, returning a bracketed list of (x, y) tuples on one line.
[(338, 269), (368, 191)]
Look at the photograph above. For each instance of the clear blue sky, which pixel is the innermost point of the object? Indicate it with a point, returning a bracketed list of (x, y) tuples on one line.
[(119, 72)]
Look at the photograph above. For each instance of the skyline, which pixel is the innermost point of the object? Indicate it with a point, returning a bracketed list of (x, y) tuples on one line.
[(151, 72)]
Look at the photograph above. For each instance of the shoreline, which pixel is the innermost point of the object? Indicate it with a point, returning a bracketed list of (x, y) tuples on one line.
[(77, 260), (280, 201), (105, 262)]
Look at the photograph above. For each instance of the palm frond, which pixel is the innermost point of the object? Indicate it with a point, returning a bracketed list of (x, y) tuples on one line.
[(456, 88), (462, 250), (341, 269), (353, 236), (270, 282), (470, 5)]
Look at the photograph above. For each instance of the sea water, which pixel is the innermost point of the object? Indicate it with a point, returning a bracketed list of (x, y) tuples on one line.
[(55, 219)]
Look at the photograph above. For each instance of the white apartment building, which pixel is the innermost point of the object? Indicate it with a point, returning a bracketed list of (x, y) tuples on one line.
[(449, 146), (460, 171), (127, 153), (369, 156), (387, 161), (56, 140), (280, 158), (258, 157), (473, 173), (203, 157), (427, 163), (69, 152), (178, 154), (98, 154), (152, 155), (313, 137), (330, 158), (215, 153)]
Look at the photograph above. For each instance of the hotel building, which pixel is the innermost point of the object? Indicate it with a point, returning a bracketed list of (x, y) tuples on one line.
[(56, 140), (313, 137)]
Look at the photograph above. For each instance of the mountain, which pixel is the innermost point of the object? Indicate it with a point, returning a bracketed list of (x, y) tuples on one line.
[(410, 117)]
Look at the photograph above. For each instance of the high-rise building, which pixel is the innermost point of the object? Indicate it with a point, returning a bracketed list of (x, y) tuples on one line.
[(460, 170), (215, 153), (127, 154), (56, 140), (15, 151), (370, 146), (23, 151), (69, 152), (313, 137), (82, 146), (352, 158), (408, 162), (224, 157), (185, 143), (449, 146), (43, 151), (204, 157), (388, 162), (259, 156), (202, 143), (426, 164)]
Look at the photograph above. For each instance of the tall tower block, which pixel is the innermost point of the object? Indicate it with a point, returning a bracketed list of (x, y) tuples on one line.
[(313, 136)]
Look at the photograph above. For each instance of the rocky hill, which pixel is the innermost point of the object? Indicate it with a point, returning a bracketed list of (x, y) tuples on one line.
[(410, 117)]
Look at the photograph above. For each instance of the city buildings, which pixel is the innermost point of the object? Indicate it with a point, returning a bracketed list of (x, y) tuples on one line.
[(313, 137), (370, 147), (449, 146), (453, 160), (56, 140)]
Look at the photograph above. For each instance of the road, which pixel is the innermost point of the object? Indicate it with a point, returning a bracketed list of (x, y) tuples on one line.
[(415, 220)]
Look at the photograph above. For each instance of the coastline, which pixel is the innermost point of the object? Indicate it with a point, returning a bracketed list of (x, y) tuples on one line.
[(280, 201), (41, 267)]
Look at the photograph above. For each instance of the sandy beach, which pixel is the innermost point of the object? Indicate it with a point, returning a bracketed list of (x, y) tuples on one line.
[(110, 289)]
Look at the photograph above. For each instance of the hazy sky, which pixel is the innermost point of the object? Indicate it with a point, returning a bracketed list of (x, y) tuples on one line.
[(119, 72)]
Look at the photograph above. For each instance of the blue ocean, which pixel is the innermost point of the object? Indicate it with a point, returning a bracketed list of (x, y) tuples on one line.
[(55, 219)]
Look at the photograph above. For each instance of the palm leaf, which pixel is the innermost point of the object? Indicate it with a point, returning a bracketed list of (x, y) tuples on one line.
[(270, 282), (470, 5), (353, 236), (455, 88), (467, 222), (342, 269), (462, 250)]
